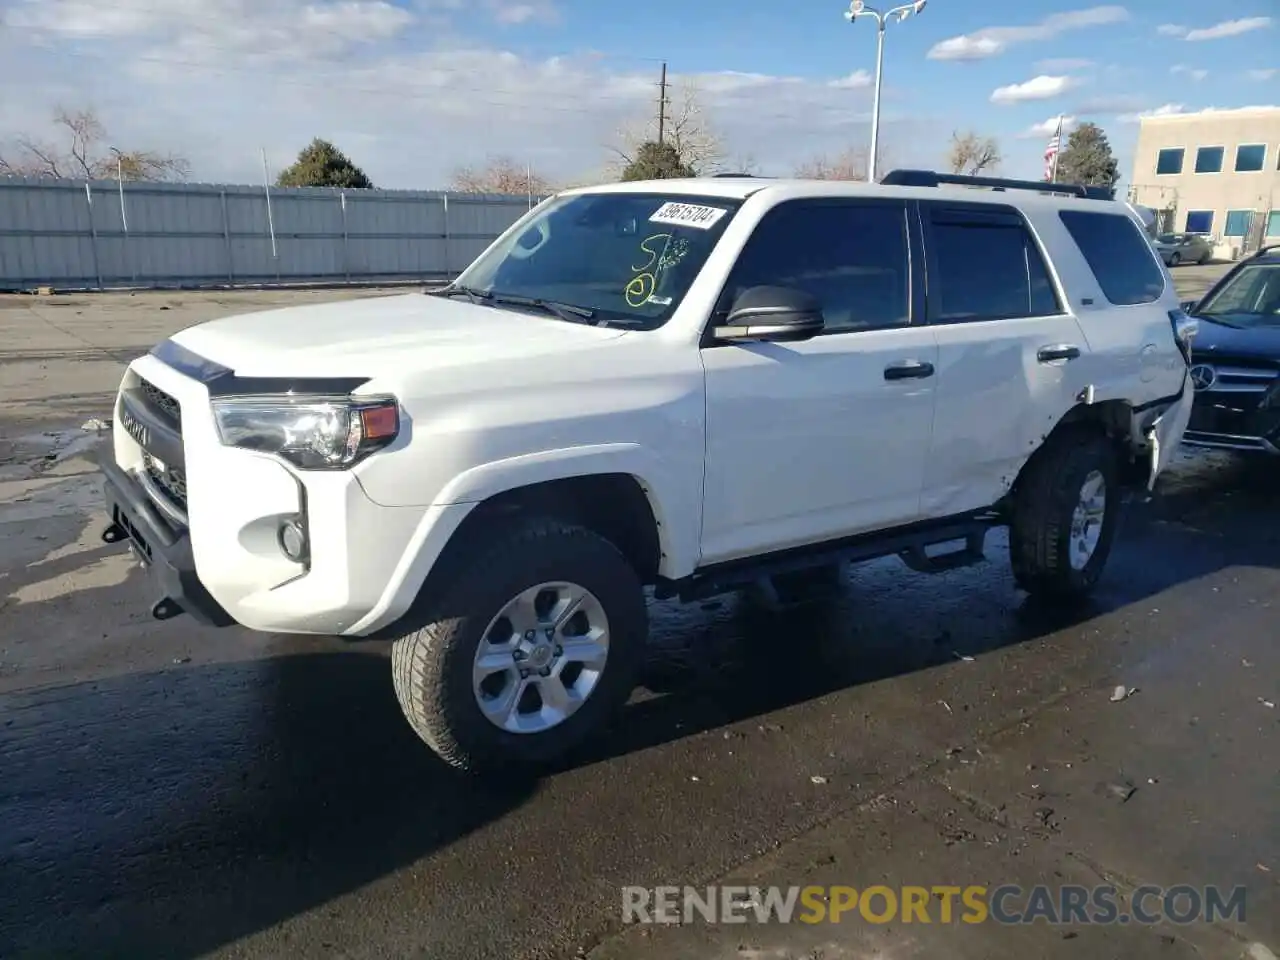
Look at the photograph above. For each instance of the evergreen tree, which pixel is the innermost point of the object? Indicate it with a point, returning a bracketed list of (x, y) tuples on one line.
[(321, 164), (657, 161), (1087, 158)]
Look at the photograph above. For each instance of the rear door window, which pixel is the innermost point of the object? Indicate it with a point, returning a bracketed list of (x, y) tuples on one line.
[(985, 265), (1118, 254)]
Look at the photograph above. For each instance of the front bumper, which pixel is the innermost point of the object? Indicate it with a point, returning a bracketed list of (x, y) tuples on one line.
[(164, 551), (1234, 420)]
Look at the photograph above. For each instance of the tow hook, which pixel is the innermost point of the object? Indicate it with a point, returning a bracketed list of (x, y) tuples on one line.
[(113, 534)]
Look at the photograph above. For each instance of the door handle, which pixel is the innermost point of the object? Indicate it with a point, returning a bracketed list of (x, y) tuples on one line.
[(1057, 351), (908, 370)]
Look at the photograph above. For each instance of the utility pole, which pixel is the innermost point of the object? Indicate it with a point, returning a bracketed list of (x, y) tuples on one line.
[(662, 104)]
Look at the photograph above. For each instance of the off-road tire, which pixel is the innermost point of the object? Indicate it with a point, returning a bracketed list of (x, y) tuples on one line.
[(432, 659), (1045, 499)]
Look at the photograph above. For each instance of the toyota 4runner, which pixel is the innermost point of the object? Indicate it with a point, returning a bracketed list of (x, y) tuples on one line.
[(691, 385)]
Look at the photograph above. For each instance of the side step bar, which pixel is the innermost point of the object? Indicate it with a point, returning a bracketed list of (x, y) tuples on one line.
[(973, 552), (910, 544)]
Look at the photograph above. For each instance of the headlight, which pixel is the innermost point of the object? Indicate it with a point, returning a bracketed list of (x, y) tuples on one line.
[(314, 433)]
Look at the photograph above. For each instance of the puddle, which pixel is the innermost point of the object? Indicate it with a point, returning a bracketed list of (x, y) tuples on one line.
[(36, 453), (50, 474)]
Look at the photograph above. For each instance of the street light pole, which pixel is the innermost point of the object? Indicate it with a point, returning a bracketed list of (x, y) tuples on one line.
[(124, 217), (875, 106), (857, 8)]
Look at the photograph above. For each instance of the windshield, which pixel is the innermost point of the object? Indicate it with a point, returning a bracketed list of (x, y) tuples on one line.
[(1251, 298), (627, 258), (1169, 238)]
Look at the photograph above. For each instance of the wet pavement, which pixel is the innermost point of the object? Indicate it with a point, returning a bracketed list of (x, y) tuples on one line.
[(172, 791)]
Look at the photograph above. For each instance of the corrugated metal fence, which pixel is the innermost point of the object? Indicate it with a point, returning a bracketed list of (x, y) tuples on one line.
[(70, 234)]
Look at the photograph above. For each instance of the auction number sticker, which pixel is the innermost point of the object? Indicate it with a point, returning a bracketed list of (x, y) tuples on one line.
[(688, 215)]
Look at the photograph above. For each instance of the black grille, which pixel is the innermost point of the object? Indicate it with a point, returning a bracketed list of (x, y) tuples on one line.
[(170, 480), (160, 401)]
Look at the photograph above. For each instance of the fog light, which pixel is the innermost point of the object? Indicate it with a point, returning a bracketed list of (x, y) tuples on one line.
[(293, 541)]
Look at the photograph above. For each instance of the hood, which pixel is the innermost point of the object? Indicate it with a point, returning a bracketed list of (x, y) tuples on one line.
[(1217, 339), (381, 335)]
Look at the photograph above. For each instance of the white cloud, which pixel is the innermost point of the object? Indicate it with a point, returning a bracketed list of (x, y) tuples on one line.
[(992, 41), (1171, 30), (1261, 75), (1194, 74), (274, 30), (854, 81), (1166, 110), (407, 93), (1046, 128), (1064, 64), (1177, 109), (1037, 88), (1229, 28), (516, 14)]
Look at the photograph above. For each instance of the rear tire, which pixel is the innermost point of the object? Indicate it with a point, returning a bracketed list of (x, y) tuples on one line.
[(484, 599), (1175, 259), (1065, 510)]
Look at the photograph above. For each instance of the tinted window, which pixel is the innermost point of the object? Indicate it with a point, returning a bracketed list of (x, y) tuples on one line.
[(1118, 254), (984, 266), (1199, 221), (1251, 298), (1209, 160), (1237, 224), (851, 256), (1250, 157), (1170, 161)]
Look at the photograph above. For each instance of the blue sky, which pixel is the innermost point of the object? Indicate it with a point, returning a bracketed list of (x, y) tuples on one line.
[(412, 89)]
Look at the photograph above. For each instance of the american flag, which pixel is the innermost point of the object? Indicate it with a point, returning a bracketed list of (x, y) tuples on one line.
[(1051, 151)]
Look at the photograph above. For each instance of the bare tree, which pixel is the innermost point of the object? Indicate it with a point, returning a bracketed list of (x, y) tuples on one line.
[(850, 164), (744, 163), (971, 154), (686, 127), (80, 150), (501, 175)]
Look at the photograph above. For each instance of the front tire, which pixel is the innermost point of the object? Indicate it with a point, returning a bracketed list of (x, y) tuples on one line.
[(1065, 511), (526, 648)]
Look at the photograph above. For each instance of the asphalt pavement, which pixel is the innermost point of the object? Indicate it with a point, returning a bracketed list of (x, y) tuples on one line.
[(172, 791)]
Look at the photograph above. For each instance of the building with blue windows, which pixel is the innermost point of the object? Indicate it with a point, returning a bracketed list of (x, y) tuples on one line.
[(1215, 172)]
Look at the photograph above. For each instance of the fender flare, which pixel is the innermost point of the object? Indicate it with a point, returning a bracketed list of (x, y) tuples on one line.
[(677, 508), (676, 503)]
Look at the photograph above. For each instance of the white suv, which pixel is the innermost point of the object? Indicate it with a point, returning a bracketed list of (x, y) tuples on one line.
[(694, 385)]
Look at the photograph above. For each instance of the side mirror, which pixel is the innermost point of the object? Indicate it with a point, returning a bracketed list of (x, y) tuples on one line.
[(1189, 306), (772, 314)]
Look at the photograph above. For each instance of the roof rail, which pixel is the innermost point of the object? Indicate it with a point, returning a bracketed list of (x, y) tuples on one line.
[(1266, 248), (931, 178), (749, 176)]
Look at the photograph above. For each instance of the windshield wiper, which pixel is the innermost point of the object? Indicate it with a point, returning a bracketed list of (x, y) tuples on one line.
[(565, 311), (454, 290)]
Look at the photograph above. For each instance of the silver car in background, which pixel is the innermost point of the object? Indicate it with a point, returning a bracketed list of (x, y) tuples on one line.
[(1176, 248)]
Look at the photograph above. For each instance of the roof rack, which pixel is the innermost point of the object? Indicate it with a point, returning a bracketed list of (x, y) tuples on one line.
[(749, 176), (931, 178)]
